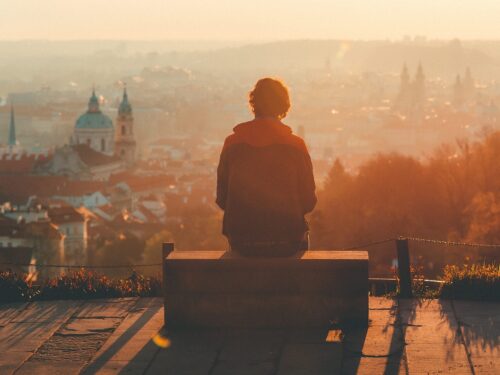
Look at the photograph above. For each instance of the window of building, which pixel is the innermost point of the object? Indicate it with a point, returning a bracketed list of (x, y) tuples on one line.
[(103, 144), (124, 131)]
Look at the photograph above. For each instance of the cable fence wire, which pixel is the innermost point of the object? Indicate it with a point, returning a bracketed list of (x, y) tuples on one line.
[(80, 266), (452, 243), (427, 257)]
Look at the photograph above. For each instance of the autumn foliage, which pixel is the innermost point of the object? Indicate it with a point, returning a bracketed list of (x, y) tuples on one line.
[(453, 194)]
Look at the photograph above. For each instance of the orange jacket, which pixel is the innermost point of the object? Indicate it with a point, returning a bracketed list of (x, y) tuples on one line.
[(265, 183)]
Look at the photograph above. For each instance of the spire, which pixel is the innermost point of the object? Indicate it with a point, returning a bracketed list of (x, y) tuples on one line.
[(93, 102), (405, 78), (458, 92), (468, 82), (420, 73), (12, 129), (125, 107), (404, 72)]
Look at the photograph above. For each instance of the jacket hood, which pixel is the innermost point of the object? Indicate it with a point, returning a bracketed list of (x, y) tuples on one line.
[(263, 132), (272, 125)]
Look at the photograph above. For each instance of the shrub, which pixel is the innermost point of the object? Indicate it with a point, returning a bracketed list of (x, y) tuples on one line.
[(475, 282), (14, 287), (81, 284)]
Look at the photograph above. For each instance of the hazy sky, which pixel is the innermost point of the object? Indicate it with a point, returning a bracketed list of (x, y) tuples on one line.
[(255, 19)]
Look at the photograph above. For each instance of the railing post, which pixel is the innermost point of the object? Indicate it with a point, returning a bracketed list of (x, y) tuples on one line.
[(166, 248), (404, 272)]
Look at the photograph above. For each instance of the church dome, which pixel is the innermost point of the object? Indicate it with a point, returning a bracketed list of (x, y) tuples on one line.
[(94, 118)]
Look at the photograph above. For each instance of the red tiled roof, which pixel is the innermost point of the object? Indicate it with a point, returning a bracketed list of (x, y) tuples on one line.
[(79, 188), (142, 183), (93, 158), (19, 163), (18, 188)]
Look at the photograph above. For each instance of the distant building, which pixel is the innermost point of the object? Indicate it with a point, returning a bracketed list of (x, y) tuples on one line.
[(95, 129), (30, 242), (458, 93), (80, 162), (125, 145), (468, 84), (12, 142), (411, 96), (73, 226), (12, 147)]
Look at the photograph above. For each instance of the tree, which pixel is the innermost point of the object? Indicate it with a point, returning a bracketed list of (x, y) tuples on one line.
[(152, 250)]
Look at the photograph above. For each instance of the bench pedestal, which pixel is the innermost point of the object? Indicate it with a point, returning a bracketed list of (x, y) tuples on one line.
[(222, 289)]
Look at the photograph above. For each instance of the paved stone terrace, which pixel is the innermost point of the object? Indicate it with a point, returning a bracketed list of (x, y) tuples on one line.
[(115, 336)]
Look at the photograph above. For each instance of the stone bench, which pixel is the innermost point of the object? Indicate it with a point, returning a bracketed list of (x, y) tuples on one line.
[(222, 289)]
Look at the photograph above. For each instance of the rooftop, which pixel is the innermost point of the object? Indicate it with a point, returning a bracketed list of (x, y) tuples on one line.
[(93, 158), (125, 336)]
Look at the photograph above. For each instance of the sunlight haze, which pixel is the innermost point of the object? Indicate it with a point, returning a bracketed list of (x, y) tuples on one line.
[(244, 20)]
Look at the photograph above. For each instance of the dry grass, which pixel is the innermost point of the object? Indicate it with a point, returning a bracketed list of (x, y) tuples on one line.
[(81, 284), (475, 282)]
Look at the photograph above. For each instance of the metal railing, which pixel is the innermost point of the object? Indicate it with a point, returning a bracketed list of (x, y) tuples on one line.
[(404, 273)]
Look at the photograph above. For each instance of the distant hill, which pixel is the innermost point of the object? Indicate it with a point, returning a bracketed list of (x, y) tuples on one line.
[(438, 58)]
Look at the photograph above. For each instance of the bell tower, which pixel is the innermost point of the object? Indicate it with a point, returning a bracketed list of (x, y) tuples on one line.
[(125, 144)]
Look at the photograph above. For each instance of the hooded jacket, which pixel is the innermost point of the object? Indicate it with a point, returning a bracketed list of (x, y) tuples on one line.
[(265, 183)]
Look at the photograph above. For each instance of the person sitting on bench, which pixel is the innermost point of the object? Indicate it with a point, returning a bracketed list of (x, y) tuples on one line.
[(265, 182)]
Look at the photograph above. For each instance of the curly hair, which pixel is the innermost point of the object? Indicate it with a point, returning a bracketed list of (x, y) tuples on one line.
[(269, 97)]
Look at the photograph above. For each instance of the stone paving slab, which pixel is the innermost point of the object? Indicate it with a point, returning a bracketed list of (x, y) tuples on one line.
[(244, 368), (116, 367), (183, 361), (9, 311), (433, 338), (49, 368), (90, 326), (26, 337), (147, 314), (115, 337), (310, 359), (131, 340), (480, 329), (379, 347), (47, 311), (372, 366), (106, 308), (136, 347), (9, 361)]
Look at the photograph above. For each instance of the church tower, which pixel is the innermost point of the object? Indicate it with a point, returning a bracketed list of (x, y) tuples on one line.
[(125, 144), (403, 99), (404, 80), (458, 93), (419, 86), (12, 141), (468, 84)]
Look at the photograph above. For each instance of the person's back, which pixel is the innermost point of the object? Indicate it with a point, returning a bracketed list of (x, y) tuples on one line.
[(265, 182)]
